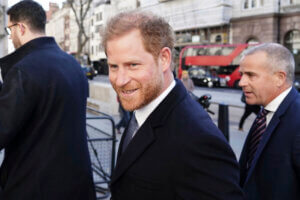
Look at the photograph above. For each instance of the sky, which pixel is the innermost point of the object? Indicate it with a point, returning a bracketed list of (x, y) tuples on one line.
[(44, 3)]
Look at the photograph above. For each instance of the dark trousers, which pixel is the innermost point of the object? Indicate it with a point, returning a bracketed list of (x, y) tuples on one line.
[(248, 110), (125, 116)]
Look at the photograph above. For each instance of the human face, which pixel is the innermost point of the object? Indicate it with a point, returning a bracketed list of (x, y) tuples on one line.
[(133, 72), (14, 33), (258, 81)]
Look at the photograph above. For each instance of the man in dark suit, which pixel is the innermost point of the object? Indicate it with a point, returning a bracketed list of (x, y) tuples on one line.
[(42, 115), (171, 148), (270, 160)]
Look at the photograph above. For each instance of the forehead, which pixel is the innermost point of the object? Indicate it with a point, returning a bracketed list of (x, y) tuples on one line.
[(128, 44), (8, 20)]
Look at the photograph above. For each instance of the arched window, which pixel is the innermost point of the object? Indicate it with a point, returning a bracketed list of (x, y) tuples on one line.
[(252, 40), (218, 39), (292, 42)]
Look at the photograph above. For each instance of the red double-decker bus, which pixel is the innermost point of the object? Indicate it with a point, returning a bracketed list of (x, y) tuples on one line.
[(221, 61)]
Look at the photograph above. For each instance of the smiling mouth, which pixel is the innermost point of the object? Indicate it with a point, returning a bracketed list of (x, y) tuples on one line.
[(128, 92)]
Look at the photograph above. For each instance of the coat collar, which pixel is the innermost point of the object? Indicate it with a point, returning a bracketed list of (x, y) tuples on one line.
[(161, 113), (145, 136), (269, 131), (8, 61)]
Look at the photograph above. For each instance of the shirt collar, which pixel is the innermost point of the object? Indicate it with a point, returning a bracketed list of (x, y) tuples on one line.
[(143, 113), (275, 103)]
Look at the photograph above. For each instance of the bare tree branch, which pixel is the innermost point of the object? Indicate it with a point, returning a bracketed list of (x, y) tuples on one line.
[(80, 9)]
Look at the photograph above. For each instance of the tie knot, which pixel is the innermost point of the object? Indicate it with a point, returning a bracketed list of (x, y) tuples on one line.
[(134, 122), (263, 113)]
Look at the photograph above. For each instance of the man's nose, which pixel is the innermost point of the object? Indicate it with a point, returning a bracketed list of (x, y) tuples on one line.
[(242, 81), (122, 77)]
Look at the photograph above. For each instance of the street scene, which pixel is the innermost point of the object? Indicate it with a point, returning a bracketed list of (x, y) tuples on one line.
[(238, 59)]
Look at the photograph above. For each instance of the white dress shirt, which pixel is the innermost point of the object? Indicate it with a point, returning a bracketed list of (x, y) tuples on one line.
[(143, 113), (275, 103)]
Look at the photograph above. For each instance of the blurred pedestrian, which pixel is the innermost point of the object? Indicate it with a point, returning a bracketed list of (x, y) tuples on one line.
[(270, 160), (247, 111), (187, 81), (42, 115), (171, 148)]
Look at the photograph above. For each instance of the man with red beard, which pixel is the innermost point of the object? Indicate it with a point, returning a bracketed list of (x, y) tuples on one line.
[(270, 160), (171, 148)]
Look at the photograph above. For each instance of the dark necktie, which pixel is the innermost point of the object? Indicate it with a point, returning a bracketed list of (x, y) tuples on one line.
[(256, 134), (132, 128)]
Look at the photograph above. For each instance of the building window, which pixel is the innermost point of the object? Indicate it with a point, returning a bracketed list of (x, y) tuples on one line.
[(292, 42), (252, 40), (99, 17), (98, 28), (249, 4), (218, 39), (246, 3)]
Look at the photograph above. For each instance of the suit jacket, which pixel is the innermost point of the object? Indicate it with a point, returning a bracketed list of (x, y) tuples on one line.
[(42, 125), (275, 170), (178, 153)]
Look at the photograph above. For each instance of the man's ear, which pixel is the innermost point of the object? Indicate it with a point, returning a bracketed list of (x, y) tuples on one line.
[(23, 27), (165, 58), (280, 78)]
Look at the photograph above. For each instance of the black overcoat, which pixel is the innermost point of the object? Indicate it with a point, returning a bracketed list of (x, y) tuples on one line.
[(42, 125), (275, 170), (178, 153)]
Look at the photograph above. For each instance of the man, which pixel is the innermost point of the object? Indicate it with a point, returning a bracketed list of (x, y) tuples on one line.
[(42, 115), (270, 160), (173, 150), (187, 81)]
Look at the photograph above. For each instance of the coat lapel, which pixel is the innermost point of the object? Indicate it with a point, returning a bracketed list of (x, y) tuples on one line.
[(139, 143), (269, 131)]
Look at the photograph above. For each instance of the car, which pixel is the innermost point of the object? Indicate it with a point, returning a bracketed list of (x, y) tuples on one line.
[(297, 85), (89, 71), (202, 77)]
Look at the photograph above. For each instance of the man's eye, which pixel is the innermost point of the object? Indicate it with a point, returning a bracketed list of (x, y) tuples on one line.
[(133, 64), (113, 66)]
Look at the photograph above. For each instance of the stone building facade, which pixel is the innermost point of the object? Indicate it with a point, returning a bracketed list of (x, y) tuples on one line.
[(268, 21), (194, 22)]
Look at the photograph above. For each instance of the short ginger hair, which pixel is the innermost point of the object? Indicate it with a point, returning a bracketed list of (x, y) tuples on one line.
[(155, 31)]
